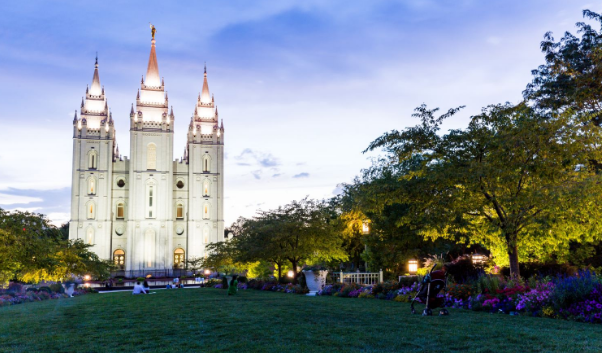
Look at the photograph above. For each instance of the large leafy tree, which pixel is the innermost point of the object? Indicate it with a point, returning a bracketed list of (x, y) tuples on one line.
[(298, 233), (571, 78), (513, 180), (32, 249)]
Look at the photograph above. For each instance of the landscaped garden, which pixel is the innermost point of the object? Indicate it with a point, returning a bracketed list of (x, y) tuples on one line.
[(259, 321)]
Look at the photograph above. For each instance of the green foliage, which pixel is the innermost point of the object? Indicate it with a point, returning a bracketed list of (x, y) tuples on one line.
[(57, 288), (32, 250), (298, 233)]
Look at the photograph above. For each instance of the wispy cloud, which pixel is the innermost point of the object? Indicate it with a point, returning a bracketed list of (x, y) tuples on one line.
[(301, 175), (266, 160)]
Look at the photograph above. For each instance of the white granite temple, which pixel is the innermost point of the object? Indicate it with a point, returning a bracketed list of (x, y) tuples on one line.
[(148, 212)]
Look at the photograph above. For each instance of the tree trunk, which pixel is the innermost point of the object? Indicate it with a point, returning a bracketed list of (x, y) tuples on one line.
[(513, 257), (279, 272), (295, 280)]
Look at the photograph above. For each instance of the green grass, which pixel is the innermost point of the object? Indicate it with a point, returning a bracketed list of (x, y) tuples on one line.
[(207, 320)]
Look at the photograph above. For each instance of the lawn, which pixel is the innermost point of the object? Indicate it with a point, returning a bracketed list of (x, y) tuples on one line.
[(254, 321)]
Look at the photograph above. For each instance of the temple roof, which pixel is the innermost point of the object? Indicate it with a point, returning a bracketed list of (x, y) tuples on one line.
[(152, 73)]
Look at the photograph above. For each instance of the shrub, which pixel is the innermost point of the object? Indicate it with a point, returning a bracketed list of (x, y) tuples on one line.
[(242, 279), (57, 288), (570, 290), (15, 287), (140, 279), (31, 289), (531, 269), (45, 289)]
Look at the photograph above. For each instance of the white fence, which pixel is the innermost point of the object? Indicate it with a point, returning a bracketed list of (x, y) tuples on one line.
[(359, 277)]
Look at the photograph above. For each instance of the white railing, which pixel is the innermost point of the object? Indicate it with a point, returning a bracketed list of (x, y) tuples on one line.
[(359, 277)]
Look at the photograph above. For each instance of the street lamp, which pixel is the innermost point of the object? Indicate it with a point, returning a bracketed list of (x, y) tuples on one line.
[(87, 277), (412, 267), (290, 274), (365, 227), (207, 272), (478, 259)]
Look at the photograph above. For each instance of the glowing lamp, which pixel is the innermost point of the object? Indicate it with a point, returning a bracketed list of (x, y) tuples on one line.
[(366, 227), (207, 272), (478, 259), (412, 267), (87, 277), (290, 274)]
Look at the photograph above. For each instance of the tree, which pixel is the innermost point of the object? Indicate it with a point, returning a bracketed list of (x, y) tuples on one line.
[(513, 180), (394, 236), (571, 78), (260, 239), (222, 258), (32, 249)]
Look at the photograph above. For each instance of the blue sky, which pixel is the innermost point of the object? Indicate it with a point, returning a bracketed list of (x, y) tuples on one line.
[(303, 86)]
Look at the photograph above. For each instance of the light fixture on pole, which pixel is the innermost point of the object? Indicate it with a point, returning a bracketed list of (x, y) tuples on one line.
[(290, 274), (365, 227), (207, 272), (478, 259), (413, 267)]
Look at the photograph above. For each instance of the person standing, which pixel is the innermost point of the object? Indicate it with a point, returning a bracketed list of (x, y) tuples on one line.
[(233, 287)]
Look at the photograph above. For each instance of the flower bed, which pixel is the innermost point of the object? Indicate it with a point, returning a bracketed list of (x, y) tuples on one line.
[(577, 298), (269, 286), (16, 294)]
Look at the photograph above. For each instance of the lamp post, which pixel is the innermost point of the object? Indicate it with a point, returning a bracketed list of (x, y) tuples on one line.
[(413, 267), (478, 260), (290, 274), (366, 231)]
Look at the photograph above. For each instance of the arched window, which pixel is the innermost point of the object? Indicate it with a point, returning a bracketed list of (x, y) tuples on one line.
[(119, 259), (91, 186), (151, 156), (206, 163), (206, 210), (90, 235), (178, 258), (90, 210), (179, 211), (206, 234), (151, 199), (206, 187), (92, 159), (149, 248), (120, 212)]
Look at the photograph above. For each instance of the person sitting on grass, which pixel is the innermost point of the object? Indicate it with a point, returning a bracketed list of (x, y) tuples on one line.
[(138, 289), (233, 287)]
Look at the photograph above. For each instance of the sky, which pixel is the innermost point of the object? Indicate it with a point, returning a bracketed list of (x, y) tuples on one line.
[(302, 86)]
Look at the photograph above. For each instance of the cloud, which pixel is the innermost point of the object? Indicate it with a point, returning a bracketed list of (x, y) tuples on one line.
[(276, 175), (257, 174), (338, 190), (301, 175), (6, 199), (248, 157)]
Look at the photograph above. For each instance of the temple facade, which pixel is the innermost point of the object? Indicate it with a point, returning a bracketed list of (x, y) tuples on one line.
[(148, 212)]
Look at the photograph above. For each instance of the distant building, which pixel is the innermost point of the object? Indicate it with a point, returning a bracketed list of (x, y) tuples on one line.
[(148, 212)]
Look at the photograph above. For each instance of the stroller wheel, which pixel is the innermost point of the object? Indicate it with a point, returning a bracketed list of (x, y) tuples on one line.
[(427, 312), (443, 312)]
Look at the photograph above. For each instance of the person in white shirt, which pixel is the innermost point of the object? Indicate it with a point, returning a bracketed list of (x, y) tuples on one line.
[(138, 289)]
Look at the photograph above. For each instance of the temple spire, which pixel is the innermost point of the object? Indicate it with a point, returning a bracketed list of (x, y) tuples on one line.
[(205, 96), (96, 89), (152, 73)]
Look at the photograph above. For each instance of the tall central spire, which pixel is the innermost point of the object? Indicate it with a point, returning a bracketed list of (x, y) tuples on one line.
[(152, 73), (205, 97), (96, 89)]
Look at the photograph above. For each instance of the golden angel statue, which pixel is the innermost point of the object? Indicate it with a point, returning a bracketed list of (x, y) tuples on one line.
[(153, 29)]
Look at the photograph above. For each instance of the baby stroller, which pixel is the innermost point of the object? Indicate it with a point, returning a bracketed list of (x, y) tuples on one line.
[(432, 284)]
